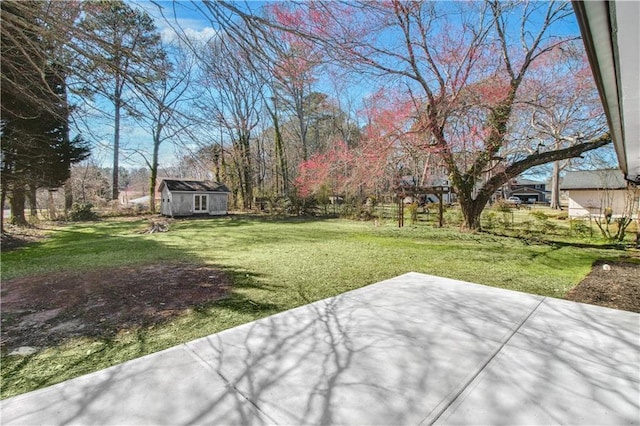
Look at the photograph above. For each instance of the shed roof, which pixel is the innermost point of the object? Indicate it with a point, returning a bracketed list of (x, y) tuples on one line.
[(594, 179), (193, 185)]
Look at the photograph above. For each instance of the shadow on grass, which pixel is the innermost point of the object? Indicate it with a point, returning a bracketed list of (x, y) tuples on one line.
[(84, 353), (83, 350), (243, 219), (233, 233), (542, 239)]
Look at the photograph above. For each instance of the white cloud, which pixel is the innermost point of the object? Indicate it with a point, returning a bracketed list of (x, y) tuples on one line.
[(202, 35), (178, 20)]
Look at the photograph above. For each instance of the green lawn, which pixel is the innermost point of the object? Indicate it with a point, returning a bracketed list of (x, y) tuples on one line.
[(275, 265)]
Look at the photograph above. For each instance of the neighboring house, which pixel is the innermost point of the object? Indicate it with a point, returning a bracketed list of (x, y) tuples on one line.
[(598, 192), (529, 191), (193, 197)]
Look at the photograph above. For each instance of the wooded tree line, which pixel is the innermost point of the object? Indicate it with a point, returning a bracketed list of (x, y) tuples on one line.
[(471, 93)]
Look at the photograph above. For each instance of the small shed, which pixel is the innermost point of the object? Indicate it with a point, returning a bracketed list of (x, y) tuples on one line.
[(193, 197)]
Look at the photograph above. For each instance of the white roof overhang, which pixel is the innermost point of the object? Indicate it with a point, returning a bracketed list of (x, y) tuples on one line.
[(611, 35)]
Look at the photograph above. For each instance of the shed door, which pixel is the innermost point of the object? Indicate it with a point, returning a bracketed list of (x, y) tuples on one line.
[(200, 203)]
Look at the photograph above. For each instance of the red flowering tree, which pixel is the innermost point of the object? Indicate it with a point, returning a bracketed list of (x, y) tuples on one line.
[(388, 147), (326, 172), (465, 66)]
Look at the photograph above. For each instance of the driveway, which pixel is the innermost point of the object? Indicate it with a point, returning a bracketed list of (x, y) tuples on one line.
[(413, 350)]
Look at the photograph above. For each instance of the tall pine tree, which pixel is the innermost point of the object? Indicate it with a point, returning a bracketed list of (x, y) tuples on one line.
[(36, 149)]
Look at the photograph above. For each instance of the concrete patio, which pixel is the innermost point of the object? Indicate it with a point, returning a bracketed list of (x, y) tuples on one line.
[(412, 350)]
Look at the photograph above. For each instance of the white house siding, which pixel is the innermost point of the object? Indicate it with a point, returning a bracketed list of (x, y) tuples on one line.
[(585, 202)]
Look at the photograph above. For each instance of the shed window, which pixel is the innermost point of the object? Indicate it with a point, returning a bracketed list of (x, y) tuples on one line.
[(200, 203)]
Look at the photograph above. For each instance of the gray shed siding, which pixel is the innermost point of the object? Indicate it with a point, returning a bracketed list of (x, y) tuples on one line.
[(182, 203), (218, 203), (165, 202)]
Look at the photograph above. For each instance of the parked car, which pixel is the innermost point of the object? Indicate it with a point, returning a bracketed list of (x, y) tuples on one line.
[(514, 200)]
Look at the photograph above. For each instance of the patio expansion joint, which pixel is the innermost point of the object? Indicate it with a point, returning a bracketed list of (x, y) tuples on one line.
[(229, 385), (485, 364)]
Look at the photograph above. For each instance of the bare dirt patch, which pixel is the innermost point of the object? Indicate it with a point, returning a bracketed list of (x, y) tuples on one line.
[(42, 311), (616, 285)]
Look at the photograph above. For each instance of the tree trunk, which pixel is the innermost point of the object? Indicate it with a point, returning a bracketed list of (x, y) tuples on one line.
[(217, 157), (33, 203), (282, 160), (555, 187), (115, 192), (236, 197), (17, 206), (238, 176), (52, 206), (303, 140), (154, 178), (246, 172), (302, 124), (68, 195), (3, 198), (471, 211), (248, 187)]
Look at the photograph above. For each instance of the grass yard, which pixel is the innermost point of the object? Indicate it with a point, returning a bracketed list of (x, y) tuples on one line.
[(274, 265)]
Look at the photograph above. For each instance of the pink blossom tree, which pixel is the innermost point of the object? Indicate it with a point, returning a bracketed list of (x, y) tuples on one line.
[(465, 67), (326, 171)]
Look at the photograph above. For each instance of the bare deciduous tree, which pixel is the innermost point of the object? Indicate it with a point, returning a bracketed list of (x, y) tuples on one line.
[(160, 106), (465, 64), (233, 94), (118, 48)]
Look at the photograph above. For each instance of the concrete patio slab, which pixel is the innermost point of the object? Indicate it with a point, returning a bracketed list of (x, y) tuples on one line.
[(390, 353), (575, 332), (326, 370), (171, 387), (568, 364), (412, 350), (521, 387)]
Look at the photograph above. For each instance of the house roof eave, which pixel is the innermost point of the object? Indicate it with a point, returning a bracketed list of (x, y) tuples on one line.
[(611, 34)]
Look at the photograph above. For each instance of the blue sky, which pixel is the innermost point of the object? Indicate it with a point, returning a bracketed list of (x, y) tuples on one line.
[(183, 14), (133, 135), (190, 18)]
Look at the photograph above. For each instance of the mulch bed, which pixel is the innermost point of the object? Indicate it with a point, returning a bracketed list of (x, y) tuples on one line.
[(611, 284)]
